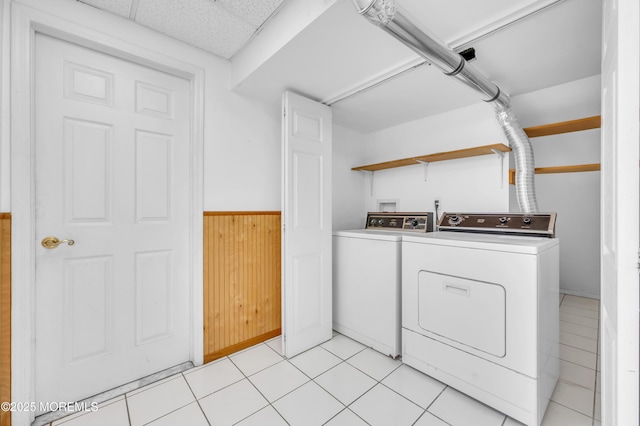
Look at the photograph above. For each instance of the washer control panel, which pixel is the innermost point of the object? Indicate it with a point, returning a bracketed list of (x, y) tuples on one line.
[(412, 222), (534, 224)]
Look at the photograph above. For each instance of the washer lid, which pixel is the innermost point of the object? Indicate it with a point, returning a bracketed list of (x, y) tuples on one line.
[(509, 243), (367, 234)]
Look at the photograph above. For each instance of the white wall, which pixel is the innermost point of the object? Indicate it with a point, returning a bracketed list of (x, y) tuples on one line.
[(241, 135), (349, 210), (290, 19), (474, 185), (242, 150), (469, 185), (5, 164), (574, 196)]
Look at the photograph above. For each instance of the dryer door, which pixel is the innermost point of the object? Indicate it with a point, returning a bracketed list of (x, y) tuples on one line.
[(469, 312)]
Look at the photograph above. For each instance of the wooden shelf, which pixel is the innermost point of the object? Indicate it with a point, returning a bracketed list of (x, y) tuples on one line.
[(440, 156), (556, 129), (532, 132), (558, 169), (564, 127)]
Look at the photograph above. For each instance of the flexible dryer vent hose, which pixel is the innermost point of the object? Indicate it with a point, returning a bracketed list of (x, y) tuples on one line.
[(385, 15)]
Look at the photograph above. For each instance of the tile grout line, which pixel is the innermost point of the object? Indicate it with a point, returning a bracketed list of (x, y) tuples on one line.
[(298, 387), (316, 383), (378, 381), (579, 365), (197, 400), (434, 401), (342, 411), (269, 404), (224, 387), (563, 341), (364, 393), (576, 347), (592, 417), (173, 411), (126, 403), (431, 414), (577, 335), (579, 315), (254, 347), (579, 325), (583, 325), (595, 384), (572, 409), (399, 394)]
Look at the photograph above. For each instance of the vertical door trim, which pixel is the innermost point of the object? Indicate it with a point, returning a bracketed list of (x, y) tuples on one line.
[(619, 221), (25, 23)]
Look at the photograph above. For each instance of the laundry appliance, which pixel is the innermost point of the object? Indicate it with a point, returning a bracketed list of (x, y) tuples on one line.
[(480, 308), (366, 278)]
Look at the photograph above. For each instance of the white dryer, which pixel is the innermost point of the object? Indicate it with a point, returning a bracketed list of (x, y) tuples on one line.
[(366, 278), (480, 309)]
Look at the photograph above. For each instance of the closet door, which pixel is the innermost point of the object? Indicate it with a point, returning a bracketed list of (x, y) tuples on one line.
[(620, 213), (112, 163), (306, 218)]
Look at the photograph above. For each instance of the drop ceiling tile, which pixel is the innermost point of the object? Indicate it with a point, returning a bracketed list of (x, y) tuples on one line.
[(119, 7), (254, 11), (204, 24)]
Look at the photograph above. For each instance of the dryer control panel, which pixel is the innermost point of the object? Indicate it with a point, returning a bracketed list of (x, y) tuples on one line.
[(534, 224), (411, 222)]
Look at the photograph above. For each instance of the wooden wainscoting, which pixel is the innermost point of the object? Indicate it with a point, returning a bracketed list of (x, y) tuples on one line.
[(242, 304), (5, 315)]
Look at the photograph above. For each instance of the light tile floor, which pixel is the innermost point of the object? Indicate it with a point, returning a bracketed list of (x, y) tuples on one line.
[(341, 382)]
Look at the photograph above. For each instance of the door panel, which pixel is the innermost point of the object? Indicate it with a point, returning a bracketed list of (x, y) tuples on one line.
[(87, 150), (307, 309), (307, 195), (153, 295), (467, 311), (620, 212), (112, 173), (153, 176), (88, 307)]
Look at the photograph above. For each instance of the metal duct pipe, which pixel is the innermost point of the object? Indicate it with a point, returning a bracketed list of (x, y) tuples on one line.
[(384, 14)]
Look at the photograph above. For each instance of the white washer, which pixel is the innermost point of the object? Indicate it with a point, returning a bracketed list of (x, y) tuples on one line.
[(366, 278), (480, 313)]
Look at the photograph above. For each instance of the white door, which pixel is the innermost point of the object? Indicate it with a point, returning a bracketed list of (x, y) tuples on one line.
[(620, 212), (112, 174), (306, 218)]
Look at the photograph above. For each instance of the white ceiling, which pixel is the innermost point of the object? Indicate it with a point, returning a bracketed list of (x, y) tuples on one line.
[(370, 79), (521, 45), (221, 27)]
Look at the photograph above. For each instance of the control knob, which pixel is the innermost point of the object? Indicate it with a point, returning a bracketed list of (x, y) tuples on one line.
[(527, 220), (454, 220), (503, 219), (380, 222), (414, 223)]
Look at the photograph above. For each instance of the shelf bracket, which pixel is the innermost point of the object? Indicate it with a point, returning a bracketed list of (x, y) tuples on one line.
[(370, 173), (426, 166), (500, 155)]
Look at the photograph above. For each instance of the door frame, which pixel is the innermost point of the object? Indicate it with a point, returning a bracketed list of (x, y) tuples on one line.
[(25, 23)]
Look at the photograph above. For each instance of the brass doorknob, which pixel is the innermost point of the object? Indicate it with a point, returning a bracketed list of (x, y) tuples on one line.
[(53, 242)]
